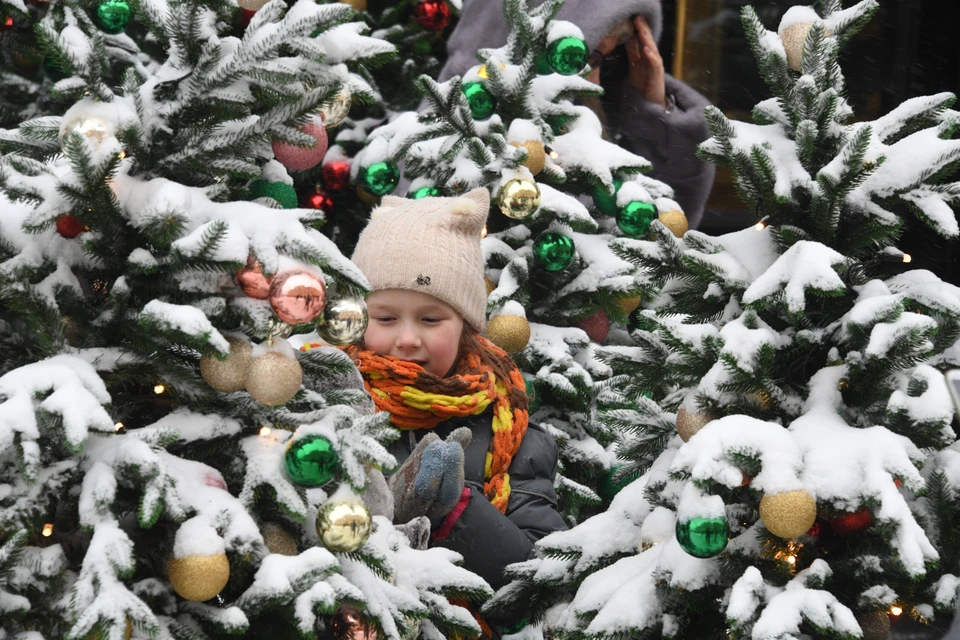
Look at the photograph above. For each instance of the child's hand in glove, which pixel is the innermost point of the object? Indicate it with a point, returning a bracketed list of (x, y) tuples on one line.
[(430, 481)]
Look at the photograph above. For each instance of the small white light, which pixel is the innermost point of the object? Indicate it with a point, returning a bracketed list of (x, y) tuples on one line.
[(791, 560), (158, 389), (483, 233), (895, 610), (47, 530), (907, 258), (760, 226), (118, 426), (553, 154), (123, 154), (264, 430)]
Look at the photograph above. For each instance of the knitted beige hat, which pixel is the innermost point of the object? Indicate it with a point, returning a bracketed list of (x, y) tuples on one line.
[(430, 245)]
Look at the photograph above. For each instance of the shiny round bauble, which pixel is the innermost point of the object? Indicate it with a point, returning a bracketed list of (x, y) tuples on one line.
[(298, 296), (282, 192), (336, 111), (68, 226), (553, 251), (348, 624), (380, 178), (482, 102), (93, 129), (319, 200), (610, 485), (433, 15), (629, 305), (675, 221), (278, 540), (311, 461), (336, 175), (690, 422), (114, 16), (199, 578), (245, 17), (848, 523), (606, 202), (536, 155), (252, 5), (789, 514), (344, 524), (298, 158), (567, 56), (344, 320), (253, 281), (489, 284), (230, 374), (875, 626), (533, 397), (634, 218), (365, 197), (703, 537), (519, 198), (359, 5), (510, 333), (274, 378), (597, 326), (424, 192)]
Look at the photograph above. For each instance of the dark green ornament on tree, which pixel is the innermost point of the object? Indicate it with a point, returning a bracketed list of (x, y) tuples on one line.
[(610, 486), (567, 56), (311, 461), (532, 396), (607, 203), (559, 124), (279, 191), (703, 537), (424, 192), (114, 16), (380, 178), (635, 218), (553, 251), (481, 101)]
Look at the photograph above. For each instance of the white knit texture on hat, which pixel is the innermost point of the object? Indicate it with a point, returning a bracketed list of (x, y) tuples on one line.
[(430, 245)]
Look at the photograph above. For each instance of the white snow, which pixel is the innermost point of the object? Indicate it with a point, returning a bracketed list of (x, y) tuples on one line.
[(805, 265)]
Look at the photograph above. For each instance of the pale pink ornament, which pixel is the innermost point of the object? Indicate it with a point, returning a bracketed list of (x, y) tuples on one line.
[(253, 281), (214, 479), (298, 296), (596, 326), (302, 158)]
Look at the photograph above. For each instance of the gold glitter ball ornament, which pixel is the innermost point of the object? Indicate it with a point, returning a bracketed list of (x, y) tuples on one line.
[(227, 375), (334, 112), (536, 155), (690, 422), (199, 578), (875, 626), (359, 5), (252, 5), (675, 221), (793, 37), (629, 305), (489, 284), (789, 514), (519, 198), (510, 333), (278, 539), (344, 524), (274, 378)]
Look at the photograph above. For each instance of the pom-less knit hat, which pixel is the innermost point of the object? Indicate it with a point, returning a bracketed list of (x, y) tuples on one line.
[(430, 245)]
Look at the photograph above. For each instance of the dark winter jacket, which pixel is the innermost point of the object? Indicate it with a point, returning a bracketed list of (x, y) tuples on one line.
[(668, 138)]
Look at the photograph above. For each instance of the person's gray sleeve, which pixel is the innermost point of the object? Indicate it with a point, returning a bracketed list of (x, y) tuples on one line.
[(669, 140)]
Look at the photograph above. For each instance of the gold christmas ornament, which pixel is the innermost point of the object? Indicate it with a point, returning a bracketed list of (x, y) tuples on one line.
[(344, 524), (274, 378), (793, 38), (690, 422), (483, 73), (252, 5), (629, 305), (489, 284), (365, 197), (675, 221), (231, 374), (789, 514), (278, 540), (510, 333), (336, 111), (875, 626), (519, 198), (536, 155), (199, 578), (359, 5), (127, 634)]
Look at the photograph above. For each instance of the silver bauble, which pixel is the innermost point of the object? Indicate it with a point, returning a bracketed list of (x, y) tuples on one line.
[(336, 111), (344, 321)]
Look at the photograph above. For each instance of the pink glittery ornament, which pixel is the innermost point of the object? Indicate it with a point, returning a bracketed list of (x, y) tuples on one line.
[(302, 158), (253, 281), (596, 326), (298, 296), (214, 479)]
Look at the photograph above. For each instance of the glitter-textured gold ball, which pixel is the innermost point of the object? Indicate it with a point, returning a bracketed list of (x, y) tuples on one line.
[(278, 540), (365, 197), (199, 578), (793, 38), (690, 422), (789, 514), (227, 375), (675, 221), (519, 198), (274, 378), (489, 284), (252, 5), (359, 5), (536, 155), (629, 305), (875, 626), (344, 524), (510, 333)]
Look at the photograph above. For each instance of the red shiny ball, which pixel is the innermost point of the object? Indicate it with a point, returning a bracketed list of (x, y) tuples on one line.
[(433, 15), (336, 175), (320, 199), (597, 326), (845, 524), (68, 226), (245, 16)]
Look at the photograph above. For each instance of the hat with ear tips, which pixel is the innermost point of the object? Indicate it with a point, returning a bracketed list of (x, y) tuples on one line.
[(432, 246)]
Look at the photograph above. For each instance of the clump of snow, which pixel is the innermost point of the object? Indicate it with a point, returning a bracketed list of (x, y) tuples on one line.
[(196, 537)]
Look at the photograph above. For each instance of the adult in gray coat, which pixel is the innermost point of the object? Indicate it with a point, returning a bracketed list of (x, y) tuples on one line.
[(645, 110)]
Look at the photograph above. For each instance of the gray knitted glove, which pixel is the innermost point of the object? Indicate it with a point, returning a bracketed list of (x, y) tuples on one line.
[(430, 481)]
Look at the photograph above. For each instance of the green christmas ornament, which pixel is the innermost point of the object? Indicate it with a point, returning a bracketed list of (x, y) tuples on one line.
[(279, 191), (604, 201), (424, 192), (543, 66), (532, 395), (559, 124), (380, 178), (553, 251), (634, 218), (311, 461), (703, 537), (567, 56), (113, 16), (610, 486), (481, 101)]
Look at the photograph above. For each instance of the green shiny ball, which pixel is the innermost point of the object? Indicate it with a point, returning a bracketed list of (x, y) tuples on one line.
[(424, 192), (279, 191), (113, 16), (703, 537), (634, 218), (380, 178), (610, 486), (311, 461), (533, 397), (567, 56), (481, 101), (604, 201), (543, 66), (553, 251)]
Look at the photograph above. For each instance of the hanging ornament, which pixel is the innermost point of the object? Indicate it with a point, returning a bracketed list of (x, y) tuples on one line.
[(424, 192), (519, 198), (127, 634), (380, 178), (245, 17), (553, 251), (533, 397), (319, 200), (567, 56), (875, 626), (489, 284), (253, 281), (847, 523), (433, 15), (675, 221), (365, 197), (789, 514), (274, 378), (199, 578), (536, 155), (634, 218), (703, 537), (93, 129), (278, 540), (68, 226), (483, 73), (596, 326), (336, 175), (605, 202), (629, 305), (252, 5), (311, 461), (348, 624), (610, 485), (359, 5), (113, 16), (543, 65), (282, 192), (297, 296), (298, 158), (344, 524), (794, 37), (228, 375), (344, 321), (510, 333), (690, 422), (214, 479), (482, 102), (336, 111)]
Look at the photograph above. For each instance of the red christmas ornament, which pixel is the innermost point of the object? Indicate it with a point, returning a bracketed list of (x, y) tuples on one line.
[(8, 23), (846, 523), (747, 480), (433, 15), (254, 282), (597, 326), (320, 199), (298, 296), (302, 158), (897, 482), (336, 175), (246, 15), (815, 529), (68, 226)]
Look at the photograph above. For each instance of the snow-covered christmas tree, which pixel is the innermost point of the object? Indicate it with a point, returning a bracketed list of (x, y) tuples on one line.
[(784, 399)]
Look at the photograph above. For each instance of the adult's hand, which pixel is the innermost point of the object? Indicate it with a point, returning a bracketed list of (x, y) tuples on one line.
[(645, 64)]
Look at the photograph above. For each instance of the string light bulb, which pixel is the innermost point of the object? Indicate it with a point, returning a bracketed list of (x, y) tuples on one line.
[(47, 530), (123, 154), (265, 431), (159, 388), (907, 258), (761, 224), (895, 610), (552, 153), (118, 426), (483, 232), (791, 560)]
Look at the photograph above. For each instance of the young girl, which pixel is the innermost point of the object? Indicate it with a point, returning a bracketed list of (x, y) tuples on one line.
[(469, 459)]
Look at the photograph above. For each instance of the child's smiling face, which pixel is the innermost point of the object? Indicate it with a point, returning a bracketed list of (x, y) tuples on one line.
[(414, 326)]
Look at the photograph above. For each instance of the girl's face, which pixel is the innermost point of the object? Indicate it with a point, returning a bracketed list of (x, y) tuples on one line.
[(415, 327)]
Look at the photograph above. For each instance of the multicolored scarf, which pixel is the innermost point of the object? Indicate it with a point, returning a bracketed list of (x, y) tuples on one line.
[(420, 400)]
